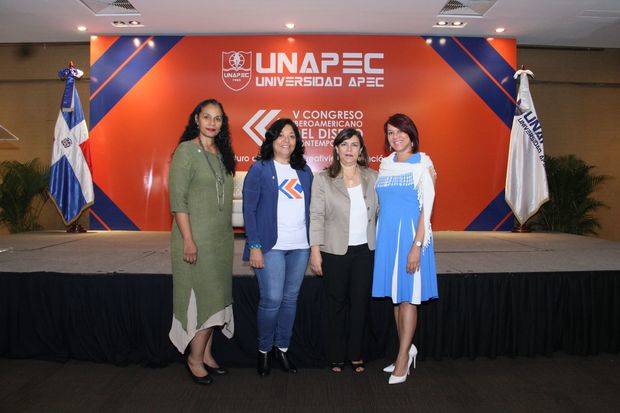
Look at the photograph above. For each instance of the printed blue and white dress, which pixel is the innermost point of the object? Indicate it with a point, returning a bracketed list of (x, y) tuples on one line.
[(404, 189)]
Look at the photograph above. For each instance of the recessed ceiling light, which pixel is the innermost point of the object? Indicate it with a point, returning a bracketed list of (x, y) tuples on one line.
[(81, 28), (457, 24), (151, 44), (136, 42), (131, 23), (442, 41), (500, 30), (290, 26), (429, 41)]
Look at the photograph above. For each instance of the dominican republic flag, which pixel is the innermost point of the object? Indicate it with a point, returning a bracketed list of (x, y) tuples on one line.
[(526, 180), (71, 184)]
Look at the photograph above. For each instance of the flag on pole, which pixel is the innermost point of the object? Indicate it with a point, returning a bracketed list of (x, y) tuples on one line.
[(71, 184), (526, 180)]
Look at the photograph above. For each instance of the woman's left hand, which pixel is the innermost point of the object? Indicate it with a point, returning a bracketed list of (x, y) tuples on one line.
[(316, 261), (413, 259)]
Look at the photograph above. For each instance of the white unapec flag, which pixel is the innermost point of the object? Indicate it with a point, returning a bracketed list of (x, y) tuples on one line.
[(526, 180), (71, 183)]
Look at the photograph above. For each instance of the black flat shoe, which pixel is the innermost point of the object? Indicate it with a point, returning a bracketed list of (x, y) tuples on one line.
[(198, 380), (285, 363), (218, 371), (263, 364)]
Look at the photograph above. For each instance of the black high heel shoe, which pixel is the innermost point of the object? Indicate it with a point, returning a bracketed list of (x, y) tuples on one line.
[(198, 380), (358, 365), (218, 371), (285, 363)]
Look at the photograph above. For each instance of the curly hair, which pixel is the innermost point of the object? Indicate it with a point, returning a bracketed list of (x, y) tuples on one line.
[(222, 140), (273, 132)]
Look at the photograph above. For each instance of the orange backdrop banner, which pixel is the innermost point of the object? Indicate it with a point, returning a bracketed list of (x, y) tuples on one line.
[(459, 91)]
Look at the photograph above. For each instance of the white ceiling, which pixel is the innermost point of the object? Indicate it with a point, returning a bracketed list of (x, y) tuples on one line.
[(533, 22)]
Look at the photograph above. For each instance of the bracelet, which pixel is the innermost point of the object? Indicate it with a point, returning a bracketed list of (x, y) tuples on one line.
[(255, 245)]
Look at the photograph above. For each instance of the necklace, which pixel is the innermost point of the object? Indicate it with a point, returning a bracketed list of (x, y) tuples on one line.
[(350, 179), (219, 178)]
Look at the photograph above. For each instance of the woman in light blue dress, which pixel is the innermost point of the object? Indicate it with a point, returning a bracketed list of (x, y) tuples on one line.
[(404, 258)]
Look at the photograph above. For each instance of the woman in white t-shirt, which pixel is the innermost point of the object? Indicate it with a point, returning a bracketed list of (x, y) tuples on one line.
[(276, 204), (342, 239)]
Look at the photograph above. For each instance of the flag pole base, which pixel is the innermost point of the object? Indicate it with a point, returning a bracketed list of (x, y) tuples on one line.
[(75, 228), (521, 229)]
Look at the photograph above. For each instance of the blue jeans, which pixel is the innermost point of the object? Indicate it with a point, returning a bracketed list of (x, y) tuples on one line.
[(279, 284)]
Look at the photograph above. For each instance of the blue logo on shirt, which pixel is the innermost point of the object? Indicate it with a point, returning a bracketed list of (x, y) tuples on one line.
[(291, 188)]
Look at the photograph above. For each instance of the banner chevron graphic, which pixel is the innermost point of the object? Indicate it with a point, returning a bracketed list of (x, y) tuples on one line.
[(261, 126)]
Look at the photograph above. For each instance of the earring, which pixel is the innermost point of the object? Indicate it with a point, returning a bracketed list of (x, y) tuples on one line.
[(337, 157)]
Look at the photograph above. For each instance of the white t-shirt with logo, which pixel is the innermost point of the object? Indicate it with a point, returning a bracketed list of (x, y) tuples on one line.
[(292, 232)]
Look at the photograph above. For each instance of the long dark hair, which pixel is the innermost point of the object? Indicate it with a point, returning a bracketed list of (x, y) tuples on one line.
[(343, 135), (404, 124), (222, 140), (266, 150)]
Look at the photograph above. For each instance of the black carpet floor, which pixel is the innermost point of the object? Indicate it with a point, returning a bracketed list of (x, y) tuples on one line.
[(561, 383)]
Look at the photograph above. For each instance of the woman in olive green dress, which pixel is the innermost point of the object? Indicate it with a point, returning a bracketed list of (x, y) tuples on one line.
[(201, 185)]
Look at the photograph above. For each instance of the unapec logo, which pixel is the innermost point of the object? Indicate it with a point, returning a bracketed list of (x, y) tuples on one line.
[(236, 69)]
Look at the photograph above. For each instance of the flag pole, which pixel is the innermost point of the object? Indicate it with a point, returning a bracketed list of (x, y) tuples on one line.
[(74, 227), (526, 180), (71, 186), (518, 227)]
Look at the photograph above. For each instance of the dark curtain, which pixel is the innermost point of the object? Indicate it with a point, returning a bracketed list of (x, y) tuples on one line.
[(124, 318)]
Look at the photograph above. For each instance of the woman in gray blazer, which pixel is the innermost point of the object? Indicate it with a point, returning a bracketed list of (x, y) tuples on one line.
[(343, 211)]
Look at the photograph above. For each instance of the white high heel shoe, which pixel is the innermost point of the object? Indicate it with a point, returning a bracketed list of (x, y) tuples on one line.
[(401, 379), (413, 352)]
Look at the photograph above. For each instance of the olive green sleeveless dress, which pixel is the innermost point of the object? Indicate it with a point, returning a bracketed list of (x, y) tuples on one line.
[(202, 292)]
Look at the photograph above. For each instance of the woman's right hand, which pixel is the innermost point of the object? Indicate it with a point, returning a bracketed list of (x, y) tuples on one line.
[(190, 251), (316, 261), (256, 258)]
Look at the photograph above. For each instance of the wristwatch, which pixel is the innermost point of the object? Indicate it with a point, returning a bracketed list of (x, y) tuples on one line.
[(418, 243)]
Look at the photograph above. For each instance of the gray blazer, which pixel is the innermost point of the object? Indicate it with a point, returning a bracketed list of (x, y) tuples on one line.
[(329, 211)]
